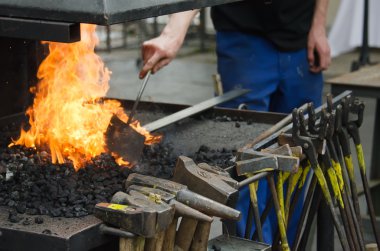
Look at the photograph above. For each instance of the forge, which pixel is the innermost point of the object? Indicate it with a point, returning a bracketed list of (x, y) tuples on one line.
[(211, 137)]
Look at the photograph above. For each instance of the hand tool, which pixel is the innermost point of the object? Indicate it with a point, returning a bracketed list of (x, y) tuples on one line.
[(121, 138), (271, 161), (353, 129), (185, 196), (340, 140), (334, 171), (286, 150), (133, 219), (203, 182), (130, 218), (164, 214), (189, 216), (351, 220), (125, 142), (208, 184), (221, 174), (308, 148)]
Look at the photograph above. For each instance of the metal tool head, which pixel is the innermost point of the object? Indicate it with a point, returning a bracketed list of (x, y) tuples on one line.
[(124, 141), (303, 141), (251, 166), (165, 196), (220, 173), (329, 102), (130, 218), (285, 163), (163, 211), (203, 182), (149, 181), (303, 124), (121, 138), (184, 195), (312, 120), (180, 208), (320, 145), (281, 150)]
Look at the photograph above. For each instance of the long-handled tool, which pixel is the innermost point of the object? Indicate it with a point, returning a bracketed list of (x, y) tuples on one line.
[(353, 130), (310, 152), (123, 139), (127, 143)]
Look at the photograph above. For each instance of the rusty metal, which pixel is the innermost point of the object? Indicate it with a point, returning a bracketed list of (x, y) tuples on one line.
[(194, 200), (203, 182), (133, 219)]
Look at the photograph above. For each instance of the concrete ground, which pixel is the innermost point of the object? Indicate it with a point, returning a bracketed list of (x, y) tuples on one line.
[(188, 80)]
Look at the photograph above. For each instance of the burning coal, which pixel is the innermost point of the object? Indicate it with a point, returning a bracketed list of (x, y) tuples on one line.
[(69, 117)]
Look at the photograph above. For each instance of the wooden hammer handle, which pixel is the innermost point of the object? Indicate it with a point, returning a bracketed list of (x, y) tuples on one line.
[(169, 238), (201, 235), (185, 233), (132, 244)]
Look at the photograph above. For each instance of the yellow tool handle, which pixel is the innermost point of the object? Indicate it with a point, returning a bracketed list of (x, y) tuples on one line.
[(304, 174), (335, 185), (359, 152), (339, 174), (350, 167), (280, 193)]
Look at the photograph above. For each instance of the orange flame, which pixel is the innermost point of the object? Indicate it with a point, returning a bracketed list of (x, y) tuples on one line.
[(68, 115)]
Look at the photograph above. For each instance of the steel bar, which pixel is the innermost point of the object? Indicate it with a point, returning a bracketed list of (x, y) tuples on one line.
[(194, 109)]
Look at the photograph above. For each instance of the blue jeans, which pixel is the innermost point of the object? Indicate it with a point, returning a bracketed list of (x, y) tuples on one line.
[(279, 81)]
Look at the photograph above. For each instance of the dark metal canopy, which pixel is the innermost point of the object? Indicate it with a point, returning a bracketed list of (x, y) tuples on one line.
[(102, 12)]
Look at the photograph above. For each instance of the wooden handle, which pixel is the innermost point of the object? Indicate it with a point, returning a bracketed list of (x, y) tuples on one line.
[(132, 244), (169, 238), (185, 233), (201, 235)]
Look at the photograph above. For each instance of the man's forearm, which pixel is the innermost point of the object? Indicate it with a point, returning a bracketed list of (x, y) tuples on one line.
[(179, 23), (320, 12)]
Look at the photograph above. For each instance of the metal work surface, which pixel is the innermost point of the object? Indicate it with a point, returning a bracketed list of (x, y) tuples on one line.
[(103, 12), (52, 234), (215, 128)]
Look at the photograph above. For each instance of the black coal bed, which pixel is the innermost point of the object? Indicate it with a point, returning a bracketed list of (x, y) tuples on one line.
[(48, 207)]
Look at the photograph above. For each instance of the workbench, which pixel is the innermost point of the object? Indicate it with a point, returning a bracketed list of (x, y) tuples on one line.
[(364, 83)]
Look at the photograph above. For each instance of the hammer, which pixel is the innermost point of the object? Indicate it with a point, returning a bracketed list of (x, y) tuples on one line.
[(210, 182), (129, 218), (261, 161), (164, 214), (184, 195), (187, 213)]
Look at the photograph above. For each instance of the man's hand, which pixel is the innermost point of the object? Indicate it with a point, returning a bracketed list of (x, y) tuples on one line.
[(160, 51), (318, 49)]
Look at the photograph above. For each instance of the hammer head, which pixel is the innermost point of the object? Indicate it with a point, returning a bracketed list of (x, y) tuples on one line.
[(220, 173), (164, 213), (285, 163), (203, 182), (149, 181), (180, 208), (130, 218)]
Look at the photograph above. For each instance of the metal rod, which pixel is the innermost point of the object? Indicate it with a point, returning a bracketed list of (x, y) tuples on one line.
[(139, 94)]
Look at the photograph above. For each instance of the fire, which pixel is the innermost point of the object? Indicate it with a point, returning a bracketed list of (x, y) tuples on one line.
[(68, 115)]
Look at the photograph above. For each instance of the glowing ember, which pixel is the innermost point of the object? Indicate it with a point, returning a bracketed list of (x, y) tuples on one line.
[(68, 115)]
